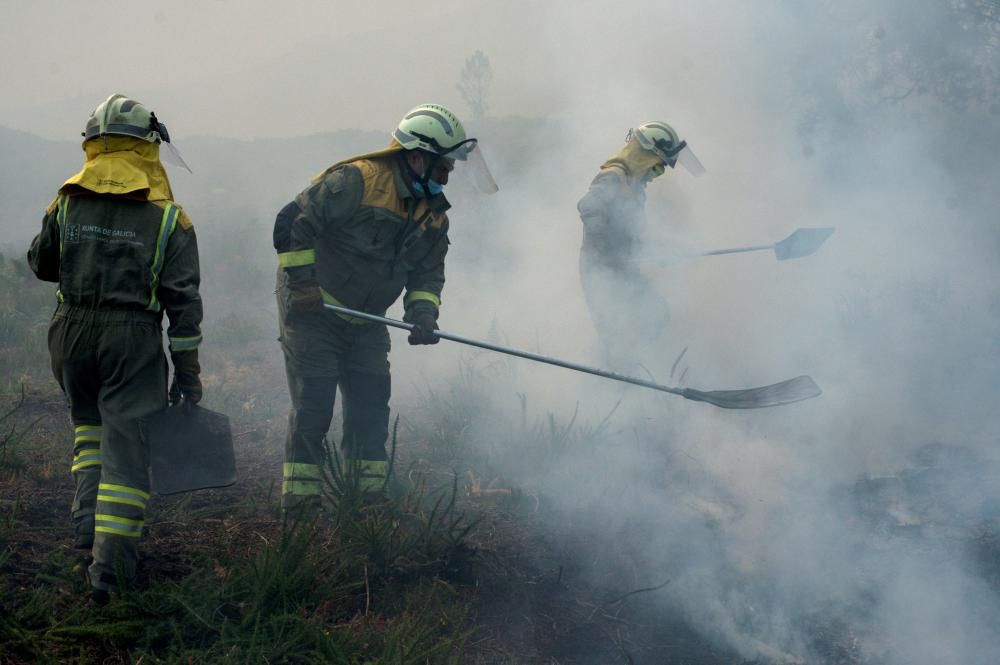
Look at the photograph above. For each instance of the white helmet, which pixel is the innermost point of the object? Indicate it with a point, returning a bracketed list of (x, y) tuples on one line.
[(433, 128), (126, 117), (437, 130), (120, 115), (662, 140)]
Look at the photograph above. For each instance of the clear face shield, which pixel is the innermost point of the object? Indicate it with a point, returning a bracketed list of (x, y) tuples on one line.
[(170, 155), (690, 161), (173, 157), (473, 167)]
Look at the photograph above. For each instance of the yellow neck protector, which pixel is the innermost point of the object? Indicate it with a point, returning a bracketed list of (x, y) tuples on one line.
[(634, 159), (122, 165)]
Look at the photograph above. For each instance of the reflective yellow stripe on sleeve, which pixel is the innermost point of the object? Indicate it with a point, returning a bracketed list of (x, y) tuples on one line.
[(167, 224), (413, 296), (302, 257), (185, 343), (61, 209)]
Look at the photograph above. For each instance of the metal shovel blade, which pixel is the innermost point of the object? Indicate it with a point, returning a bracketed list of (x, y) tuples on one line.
[(776, 394), (190, 448), (802, 242)]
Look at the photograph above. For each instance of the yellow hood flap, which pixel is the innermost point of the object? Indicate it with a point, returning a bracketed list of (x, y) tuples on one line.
[(635, 159), (122, 165), (394, 147)]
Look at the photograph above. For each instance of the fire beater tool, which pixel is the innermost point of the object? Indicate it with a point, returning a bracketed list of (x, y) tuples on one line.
[(776, 394)]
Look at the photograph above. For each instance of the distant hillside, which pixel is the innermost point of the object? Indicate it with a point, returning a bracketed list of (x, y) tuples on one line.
[(258, 175), (30, 170), (227, 173)]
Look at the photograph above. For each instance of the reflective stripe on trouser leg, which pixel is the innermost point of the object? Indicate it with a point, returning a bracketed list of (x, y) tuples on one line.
[(120, 510), (86, 470), (112, 367), (86, 447), (366, 427), (371, 474), (118, 525), (301, 480), (308, 422)]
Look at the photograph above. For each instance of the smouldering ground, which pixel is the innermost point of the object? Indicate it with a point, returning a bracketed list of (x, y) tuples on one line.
[(506, 594), (528, 582)]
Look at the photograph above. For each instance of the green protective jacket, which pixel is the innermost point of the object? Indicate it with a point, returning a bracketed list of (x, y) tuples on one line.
[(117, 252), (363, 237), (613, 216)]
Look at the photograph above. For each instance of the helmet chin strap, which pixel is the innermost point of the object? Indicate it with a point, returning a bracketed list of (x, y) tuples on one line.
[(421, 179), (426, 177)]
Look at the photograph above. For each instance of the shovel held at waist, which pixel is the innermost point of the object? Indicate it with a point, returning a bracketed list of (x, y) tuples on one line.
[(784, 392)]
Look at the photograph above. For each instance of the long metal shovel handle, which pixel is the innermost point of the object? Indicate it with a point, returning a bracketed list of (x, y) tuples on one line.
[(800, 243), (785, 392)]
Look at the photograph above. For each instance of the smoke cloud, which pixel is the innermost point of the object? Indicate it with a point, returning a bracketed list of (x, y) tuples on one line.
[(859, 513)]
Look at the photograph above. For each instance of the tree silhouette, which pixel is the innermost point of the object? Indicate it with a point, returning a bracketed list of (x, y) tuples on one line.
[(474, 84)]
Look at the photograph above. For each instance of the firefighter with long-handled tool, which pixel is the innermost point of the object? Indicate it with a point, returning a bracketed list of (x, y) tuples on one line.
[(364, 231), (624, 307), (613, 215)]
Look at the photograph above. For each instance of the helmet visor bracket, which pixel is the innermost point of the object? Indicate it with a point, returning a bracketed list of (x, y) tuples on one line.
[(664, 149), (474, 166), (159, 128), (458, 151)]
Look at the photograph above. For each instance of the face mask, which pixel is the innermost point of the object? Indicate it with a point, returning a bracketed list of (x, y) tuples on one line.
[(432, 188), (656, 171)]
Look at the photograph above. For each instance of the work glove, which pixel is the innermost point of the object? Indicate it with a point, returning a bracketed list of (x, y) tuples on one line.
[(423, 315), (187, 379), (303, 295)]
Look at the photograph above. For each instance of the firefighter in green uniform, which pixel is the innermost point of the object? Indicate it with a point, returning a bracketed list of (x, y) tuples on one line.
[(123, 253), (365, 230), (623, 306)]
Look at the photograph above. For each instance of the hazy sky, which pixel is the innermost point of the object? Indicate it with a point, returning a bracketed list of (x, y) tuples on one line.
[(257, 68)]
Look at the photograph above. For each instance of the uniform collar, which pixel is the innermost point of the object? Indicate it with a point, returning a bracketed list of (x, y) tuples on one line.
[(402, 189)]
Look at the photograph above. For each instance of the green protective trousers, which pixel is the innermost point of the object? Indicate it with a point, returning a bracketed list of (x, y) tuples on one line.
[(111, 366), (630, 318), (324, 352)]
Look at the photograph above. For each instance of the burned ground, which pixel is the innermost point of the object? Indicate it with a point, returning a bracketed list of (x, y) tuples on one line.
[(514, 589), (511, 593), (475, 560)]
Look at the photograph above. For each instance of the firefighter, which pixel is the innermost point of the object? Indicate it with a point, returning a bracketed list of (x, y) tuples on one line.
[(365, 230), (623, 306), (123, 253)]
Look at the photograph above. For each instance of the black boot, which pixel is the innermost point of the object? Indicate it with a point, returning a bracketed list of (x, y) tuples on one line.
[(100, 597)]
